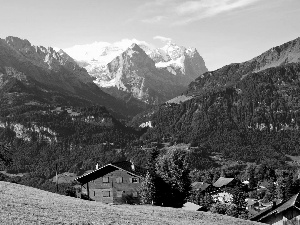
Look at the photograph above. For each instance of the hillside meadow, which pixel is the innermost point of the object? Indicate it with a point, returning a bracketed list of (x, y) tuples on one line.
[(25, 205)]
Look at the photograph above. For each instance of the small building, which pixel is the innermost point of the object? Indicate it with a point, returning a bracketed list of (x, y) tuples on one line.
[(224, 182), (112, 183), (203, 187), (287, 212)]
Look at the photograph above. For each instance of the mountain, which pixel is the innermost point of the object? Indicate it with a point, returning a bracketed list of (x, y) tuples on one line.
[(135, 72), (161, 74), (180, 61), (31, 73), (233, 73), (247, 111)]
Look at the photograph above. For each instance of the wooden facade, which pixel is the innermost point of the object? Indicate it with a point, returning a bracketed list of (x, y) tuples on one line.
[(287, 217), (112, 184), (285, 213)]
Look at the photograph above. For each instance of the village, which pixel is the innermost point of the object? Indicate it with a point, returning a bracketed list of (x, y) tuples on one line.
[(122, 183)]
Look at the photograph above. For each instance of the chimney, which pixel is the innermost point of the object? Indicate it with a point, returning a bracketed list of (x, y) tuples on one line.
[(97, 166)]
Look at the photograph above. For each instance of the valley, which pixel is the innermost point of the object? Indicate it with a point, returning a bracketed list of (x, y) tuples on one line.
[(239, 122)]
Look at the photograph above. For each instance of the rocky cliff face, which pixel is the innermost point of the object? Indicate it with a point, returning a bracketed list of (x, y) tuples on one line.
[(144, 73), (180, 61), (35, 73), (135, 72), (42, 64)]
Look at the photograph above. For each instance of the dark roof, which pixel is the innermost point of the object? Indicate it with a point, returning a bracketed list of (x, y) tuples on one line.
[(125, 165), (200, 186), (292, 202), (222, 181)]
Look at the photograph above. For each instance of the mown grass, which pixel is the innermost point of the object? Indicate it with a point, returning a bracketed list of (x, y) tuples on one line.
[(25, 205)]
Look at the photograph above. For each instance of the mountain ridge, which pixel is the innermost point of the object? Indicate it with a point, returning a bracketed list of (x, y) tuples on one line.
[(183, 63), (51, 77), (288, 52)]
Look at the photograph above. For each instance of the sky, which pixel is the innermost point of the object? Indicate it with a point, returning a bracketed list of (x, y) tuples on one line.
[(223, 31)]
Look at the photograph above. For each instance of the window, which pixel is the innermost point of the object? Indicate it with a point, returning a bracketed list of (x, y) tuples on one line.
[(105, 180), (119, 179), (106, 193), (134, 194), (120, 193), (134, 180)]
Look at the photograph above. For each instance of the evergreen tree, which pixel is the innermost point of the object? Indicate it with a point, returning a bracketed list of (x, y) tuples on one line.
[(250, 175), (238, 199), (290, 187), (148, 190), (280, 188)]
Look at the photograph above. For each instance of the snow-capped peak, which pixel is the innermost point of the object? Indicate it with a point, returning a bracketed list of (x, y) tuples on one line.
[(103, 52)]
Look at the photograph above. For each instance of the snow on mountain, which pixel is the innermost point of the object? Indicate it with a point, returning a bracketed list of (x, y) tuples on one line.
[(185, 63), (102, 52)]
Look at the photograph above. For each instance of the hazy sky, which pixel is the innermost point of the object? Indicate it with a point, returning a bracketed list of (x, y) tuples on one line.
[(223, 31)]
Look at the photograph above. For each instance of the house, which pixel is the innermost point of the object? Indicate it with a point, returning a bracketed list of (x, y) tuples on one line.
[(224, 182), (112, 182), (203, 187), (287, 212)]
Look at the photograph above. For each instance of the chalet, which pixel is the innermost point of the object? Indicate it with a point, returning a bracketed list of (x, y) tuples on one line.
[(224, 182), (112, 182), (203, 187), (287, 212)]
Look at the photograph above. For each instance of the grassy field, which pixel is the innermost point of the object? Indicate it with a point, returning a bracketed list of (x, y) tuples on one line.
[(25, 205)]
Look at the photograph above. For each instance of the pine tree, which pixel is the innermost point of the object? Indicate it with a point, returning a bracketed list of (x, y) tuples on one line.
[(290, 188), (238, 199), (150, 187), (280, 192), (148, 190), (250, 175)]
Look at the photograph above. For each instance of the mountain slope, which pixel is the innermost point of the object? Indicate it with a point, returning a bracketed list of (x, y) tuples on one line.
[(230, 74), (48, 76), (149, 75), (243, 114), (25, 205), (134, 72)]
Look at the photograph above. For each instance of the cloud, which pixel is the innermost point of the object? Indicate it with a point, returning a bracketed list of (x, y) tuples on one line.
[(196, 10), (154, 19), (178, 12), (163, 39)]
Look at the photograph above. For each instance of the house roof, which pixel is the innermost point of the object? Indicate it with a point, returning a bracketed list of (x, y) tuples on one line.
[(222, 181), (200, 186), (125, 165), (292, 202)]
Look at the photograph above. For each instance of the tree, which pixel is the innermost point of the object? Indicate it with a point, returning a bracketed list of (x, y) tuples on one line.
[(280, 187), (250, 175), (220, 208), (174, 170), (4, 154), (290, 187), (148, 189), (239, 200)]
